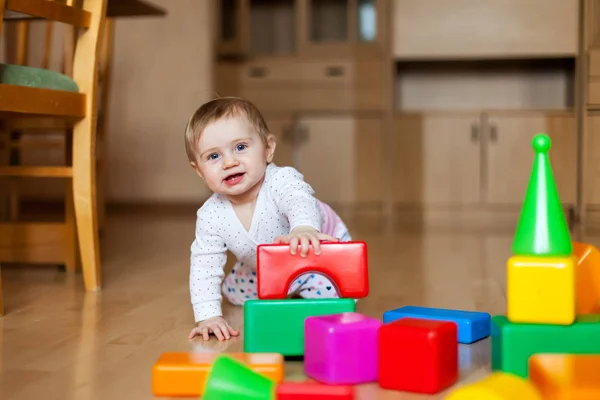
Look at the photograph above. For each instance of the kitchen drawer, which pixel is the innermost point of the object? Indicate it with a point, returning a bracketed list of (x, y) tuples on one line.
[(273, 99), (371, 73), (594, 91), (594, 63), (344, 98), (227, 78), (272, 71), (326, 72)]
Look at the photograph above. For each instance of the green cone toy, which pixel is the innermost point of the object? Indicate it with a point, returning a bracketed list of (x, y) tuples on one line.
[(542, 229), (230, 379)]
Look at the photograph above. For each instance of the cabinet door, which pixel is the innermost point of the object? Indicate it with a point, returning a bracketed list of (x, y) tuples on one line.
[(232, 27), (484, 28), (592, 173), (562, 130), (256, 27), (510, 155), (341, 27), (437, 159), (340, 157)]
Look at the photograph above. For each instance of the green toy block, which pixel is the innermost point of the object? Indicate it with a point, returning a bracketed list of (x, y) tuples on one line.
[(277, 326), (230, 379), (542, 229), (514, 343)]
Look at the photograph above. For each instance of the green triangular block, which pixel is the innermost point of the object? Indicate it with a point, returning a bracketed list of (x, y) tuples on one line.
[(542, 229)]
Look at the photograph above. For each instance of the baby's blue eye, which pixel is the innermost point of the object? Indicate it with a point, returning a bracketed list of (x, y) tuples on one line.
[(213, 156), (240, 147)]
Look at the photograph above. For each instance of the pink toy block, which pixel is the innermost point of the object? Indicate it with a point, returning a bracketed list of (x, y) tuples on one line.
[(341, 348)]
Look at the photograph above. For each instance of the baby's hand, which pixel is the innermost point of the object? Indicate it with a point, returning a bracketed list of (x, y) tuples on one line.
[(305, 235), (216, 325)]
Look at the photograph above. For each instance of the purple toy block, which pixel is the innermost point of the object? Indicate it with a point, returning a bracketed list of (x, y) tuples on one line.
[(341, 348)]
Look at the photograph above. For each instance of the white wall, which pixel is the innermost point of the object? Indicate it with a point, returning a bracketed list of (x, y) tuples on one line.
[(162, 71)]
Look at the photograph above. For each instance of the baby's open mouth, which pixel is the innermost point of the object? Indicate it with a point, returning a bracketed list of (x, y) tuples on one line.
[(234, 177)]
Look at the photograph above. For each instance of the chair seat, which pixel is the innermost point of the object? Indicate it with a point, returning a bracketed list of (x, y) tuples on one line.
[(37, 92), (21, 75)]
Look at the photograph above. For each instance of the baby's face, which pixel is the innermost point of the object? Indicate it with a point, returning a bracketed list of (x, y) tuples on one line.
[(232, 158)]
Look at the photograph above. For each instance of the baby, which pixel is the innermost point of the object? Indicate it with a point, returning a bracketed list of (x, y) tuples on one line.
[(254, 201)]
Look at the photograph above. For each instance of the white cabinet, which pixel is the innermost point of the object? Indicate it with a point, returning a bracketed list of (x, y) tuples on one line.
[(437, 158), (467, 159), (429, 29), (341, 157), (510, 155)]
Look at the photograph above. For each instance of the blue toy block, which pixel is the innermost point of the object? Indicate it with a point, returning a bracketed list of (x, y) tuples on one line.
[(472, 325)]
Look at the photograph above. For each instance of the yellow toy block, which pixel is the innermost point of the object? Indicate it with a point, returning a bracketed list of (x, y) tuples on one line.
[(541, 290), (497, 386), (566, 376)]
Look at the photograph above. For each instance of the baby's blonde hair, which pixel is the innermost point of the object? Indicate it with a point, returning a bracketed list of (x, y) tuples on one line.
[(219, 108)]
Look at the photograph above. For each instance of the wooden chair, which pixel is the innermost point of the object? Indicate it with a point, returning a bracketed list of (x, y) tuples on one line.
[(44, 136), (46, 94)]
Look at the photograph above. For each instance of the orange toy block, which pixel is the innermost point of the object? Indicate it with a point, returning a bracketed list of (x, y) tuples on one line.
[(587, 279), (185, 374), (566, 376)]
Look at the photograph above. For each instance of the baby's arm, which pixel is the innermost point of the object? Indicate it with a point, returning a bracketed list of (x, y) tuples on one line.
[(295, 198), (207, 262)]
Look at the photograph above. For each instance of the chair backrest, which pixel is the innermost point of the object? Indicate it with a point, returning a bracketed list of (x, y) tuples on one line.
[(71, 97)]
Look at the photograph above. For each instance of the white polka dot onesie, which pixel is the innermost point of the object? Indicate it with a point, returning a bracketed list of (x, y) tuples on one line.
[(284, 202)]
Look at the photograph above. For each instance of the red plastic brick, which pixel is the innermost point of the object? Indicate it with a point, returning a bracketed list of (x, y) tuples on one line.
[(345, 263), (418, 355), (313, 391)]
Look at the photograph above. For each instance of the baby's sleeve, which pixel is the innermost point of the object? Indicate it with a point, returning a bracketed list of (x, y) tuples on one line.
[(207, 263), (295, 198)]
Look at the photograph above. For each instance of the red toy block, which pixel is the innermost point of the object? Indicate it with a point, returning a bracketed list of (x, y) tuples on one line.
[(345, 263), (418, 355), (313, 391)]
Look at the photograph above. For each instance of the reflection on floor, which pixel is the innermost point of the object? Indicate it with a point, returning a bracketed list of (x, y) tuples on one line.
[(56, 342)]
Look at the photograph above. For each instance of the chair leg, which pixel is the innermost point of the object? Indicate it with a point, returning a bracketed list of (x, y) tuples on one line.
[(71, 261), (84, 199)]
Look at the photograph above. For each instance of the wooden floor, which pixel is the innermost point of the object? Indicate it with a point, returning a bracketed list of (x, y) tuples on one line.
[(57, 342)]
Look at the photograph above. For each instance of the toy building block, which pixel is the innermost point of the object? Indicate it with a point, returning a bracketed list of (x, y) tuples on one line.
[(277, 326), (541, 290), (542, 229), (587, 279), (566, 376), (184, 374), (418, 355), (496, 386), (541, 274), (231, 379), (341, 348), (345, 263), (313, 391), (514, 343), (472, 325)]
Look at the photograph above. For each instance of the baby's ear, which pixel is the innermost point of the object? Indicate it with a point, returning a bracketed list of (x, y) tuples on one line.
[(271, 145), (195, 167)]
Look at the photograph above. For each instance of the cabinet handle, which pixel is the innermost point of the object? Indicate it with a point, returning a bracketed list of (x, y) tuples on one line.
[(295, 134), (287, 134), (334, 71), (493, 133), (303, 134), (474, 133), (258, 72)]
